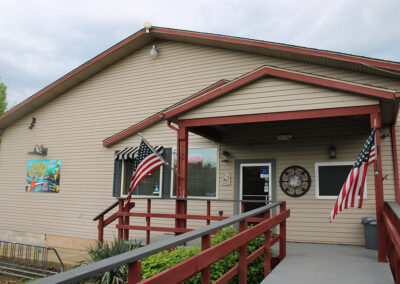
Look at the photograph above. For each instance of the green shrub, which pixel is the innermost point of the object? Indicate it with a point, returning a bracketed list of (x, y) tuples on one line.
[(102, 251), (158, 262), (163, 260)]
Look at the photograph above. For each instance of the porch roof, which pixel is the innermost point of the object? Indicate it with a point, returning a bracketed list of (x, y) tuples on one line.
[(388, 99)]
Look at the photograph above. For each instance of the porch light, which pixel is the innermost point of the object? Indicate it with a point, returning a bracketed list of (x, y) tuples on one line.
[(39, 150), (284, 137), (332, 152), (153, 52), (225, 156)]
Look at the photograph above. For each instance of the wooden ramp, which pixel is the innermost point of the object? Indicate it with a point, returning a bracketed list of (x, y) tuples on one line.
[(323, 263)]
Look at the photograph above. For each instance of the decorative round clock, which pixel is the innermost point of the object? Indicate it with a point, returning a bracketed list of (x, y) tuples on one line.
[(295, 181)]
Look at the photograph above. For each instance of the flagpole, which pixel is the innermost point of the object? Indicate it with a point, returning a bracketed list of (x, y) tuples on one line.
[(158, 155)]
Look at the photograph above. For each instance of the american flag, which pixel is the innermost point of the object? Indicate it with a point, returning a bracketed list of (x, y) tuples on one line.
[(351, 194), (145, 162)]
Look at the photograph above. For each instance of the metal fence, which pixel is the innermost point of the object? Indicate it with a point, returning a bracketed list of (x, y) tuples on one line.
[(27, 260)]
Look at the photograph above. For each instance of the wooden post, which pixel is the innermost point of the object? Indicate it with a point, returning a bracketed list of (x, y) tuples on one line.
[(101, 229), (243, 256), (375, 119), (208, 211), (134, 272), (267, 248), (205, 273), (282, 234), (395, 164), (120, 219), (126, 222), (182, 166), (148, 221)]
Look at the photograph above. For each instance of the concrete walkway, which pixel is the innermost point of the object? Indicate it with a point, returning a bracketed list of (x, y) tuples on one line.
[(321, 263)]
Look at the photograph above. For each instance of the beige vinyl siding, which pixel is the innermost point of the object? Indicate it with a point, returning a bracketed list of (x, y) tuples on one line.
[(269, 95), (74, 124)]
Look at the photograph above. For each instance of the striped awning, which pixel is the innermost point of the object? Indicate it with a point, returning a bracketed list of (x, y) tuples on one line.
[(130, 153)]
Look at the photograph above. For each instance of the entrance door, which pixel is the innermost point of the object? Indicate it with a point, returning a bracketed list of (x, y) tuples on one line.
[(255, 184)]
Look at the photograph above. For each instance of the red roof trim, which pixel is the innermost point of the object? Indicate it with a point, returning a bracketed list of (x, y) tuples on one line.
[(74, 72), (155, 30), (264, 71), (153, 119), (333, 55), (279, 116), (133, 129)]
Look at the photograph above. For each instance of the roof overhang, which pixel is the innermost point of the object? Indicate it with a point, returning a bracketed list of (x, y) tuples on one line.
[(388, 98), (142, 38)]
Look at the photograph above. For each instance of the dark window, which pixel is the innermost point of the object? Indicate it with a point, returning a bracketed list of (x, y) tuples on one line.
[(202, 172), (330, 178), (156, 184)]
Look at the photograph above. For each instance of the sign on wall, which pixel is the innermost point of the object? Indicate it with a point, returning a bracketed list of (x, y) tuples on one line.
[(43, 176)]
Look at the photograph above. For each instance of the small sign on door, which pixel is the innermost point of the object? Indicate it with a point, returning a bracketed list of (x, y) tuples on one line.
[(264, 172)]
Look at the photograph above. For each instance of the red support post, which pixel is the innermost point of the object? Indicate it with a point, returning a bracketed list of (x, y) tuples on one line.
[(282, 234), (101, 229), (243, 256), (205, 273), (120, 219), (242, 207), (375, 120), (182, 167), (208, 211), (134, 272), (148, 221), (395, 164), (126, 222), (267, 248)]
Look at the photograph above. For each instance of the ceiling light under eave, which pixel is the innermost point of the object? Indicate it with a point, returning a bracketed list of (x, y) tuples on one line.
[(284, 137)]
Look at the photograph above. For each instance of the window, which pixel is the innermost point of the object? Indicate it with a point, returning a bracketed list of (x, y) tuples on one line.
[(330, 177), (157, 184), (150, 186), (202, 172)]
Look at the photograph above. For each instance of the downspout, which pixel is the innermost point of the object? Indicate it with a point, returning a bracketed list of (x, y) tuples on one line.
[(395, 164), (394, 147)]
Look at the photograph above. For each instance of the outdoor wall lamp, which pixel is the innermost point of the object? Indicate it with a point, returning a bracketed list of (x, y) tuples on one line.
[(32, 123), (225, 156), (153, 52), (39, 150), (332, 152)]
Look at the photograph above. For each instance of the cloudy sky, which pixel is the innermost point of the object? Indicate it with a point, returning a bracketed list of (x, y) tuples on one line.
[(41, 40)]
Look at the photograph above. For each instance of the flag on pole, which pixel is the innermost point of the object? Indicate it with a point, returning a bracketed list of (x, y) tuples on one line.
[(146, 161), (351, 194)]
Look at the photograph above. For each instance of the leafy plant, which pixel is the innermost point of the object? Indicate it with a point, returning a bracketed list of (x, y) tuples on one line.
[(158, 262), (163, 260), (102, 251)]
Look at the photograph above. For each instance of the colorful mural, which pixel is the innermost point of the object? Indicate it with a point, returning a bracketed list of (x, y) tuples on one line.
[(43, 176)]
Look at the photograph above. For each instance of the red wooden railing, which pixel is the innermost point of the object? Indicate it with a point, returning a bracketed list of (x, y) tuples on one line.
[(123, 214), (391, 219), (209, 255), (201, 262)]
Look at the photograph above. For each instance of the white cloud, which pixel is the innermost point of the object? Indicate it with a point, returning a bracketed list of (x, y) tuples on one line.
[(41, 40)]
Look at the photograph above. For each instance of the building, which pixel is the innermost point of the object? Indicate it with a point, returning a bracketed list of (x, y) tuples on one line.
[(256, 117)]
